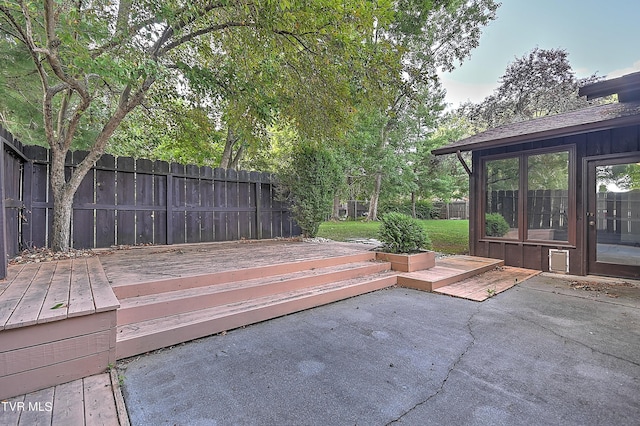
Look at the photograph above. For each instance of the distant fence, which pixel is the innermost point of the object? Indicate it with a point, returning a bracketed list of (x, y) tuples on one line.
[(124, 201), (452, 210), (618, 217), (546, 209)]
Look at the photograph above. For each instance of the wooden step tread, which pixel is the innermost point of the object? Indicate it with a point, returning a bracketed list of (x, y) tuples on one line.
[(147, 307), (235, 285), (127, 290), (447, 271), (184, 320)]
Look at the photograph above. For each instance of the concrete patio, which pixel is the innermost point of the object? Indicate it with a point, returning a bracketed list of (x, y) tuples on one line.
[(549, 351)]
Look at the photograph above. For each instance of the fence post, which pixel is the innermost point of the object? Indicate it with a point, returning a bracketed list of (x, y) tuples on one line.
[(3, 232), (26, 237)]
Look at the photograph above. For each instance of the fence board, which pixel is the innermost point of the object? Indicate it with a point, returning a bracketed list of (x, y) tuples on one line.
[(12, 200), (266, 198), (220, 197), (233, 217), (207, 202), (105, 195), (160, 190), (40, 220), (126, 218), (4, 242), (144, 198), (192, 199), (244, 201), (83, 220)]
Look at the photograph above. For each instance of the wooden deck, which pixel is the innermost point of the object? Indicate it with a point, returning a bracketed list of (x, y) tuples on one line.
[(59, 320), (39, 293), (468, 277), (487, 284), (57, 324), (93, 400)]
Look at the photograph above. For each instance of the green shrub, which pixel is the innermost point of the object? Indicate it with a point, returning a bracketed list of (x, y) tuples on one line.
[(401, 233), (424, 208), (309, 183), (495, 225)]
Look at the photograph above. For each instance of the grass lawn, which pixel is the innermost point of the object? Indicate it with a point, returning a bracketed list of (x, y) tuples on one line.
[(447, 236)]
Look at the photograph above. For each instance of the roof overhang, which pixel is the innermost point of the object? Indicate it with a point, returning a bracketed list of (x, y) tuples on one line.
[(474, 145), (602, 117), (626, 87)]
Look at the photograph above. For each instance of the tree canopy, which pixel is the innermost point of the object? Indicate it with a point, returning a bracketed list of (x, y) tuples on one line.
[(209, 81), (541, 82), (98, 61)]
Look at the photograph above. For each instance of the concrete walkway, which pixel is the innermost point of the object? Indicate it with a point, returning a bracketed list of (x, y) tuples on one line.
[(546, 352)]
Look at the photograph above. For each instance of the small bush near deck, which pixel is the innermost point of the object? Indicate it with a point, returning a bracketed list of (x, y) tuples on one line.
[(402, 234), (495, 225)]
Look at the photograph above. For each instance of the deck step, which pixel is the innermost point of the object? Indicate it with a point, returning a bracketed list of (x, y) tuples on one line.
[(145, 336), (124, 291), (447, 271), (142, 308)]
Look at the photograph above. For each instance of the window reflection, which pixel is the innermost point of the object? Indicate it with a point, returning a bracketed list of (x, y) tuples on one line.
[(502, 180), (548, 196), (618, 214)]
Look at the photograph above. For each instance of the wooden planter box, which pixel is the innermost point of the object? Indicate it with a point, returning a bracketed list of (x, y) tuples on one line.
[(409, 262)]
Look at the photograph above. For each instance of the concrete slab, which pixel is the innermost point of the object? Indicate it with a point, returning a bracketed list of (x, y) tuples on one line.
[(541, 353)]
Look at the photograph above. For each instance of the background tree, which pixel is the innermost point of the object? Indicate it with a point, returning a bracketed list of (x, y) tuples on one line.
[(540, 83), (429, 39), (442, 178), (98, 61)]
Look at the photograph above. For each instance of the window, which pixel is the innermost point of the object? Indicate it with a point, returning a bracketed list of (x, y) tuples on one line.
[(501, 208), (543, 215), (548, 196)]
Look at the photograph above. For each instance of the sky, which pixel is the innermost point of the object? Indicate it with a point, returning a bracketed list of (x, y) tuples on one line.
[(600, 36)]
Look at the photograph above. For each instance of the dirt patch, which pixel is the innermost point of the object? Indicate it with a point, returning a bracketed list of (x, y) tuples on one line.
[(47, 255), (610, 289)]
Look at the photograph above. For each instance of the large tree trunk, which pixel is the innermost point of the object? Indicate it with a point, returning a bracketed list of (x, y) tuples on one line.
[(373, 202), (229, 160), (336, 208), (61, 232), (64, 189)]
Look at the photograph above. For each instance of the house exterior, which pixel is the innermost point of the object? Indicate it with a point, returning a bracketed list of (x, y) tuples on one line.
[(561, 193)]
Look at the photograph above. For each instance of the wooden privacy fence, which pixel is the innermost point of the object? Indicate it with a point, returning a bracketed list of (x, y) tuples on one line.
[(546, 209), (124, 201), (618, 217), (452, 210)]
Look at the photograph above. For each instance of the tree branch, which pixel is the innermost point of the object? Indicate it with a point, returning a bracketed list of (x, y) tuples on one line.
[(190, 36)]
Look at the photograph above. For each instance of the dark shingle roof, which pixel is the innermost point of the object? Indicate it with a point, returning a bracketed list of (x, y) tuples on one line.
[(594, 118)]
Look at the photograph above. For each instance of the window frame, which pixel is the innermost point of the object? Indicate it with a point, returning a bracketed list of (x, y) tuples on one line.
[(523, 158)]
